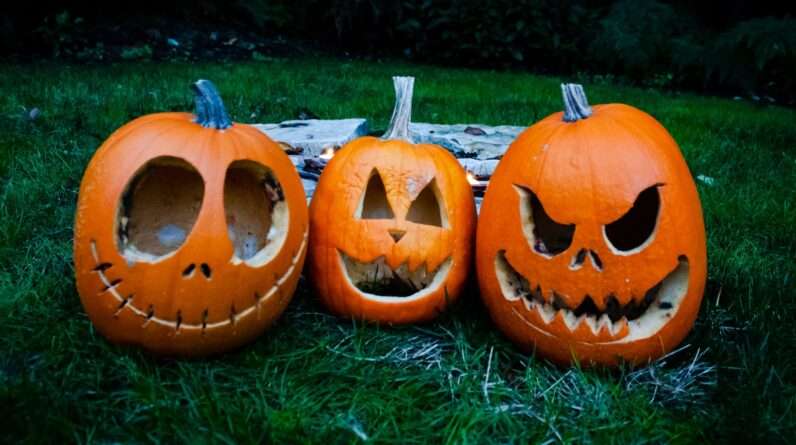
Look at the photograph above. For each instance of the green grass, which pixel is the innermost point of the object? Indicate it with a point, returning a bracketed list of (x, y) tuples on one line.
[(317, 378)]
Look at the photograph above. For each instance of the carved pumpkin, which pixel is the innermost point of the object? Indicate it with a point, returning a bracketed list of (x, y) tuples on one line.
[(591, 244), (391, 226), (190, 231)]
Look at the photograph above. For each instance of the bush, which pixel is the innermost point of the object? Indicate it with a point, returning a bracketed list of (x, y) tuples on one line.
[(758, 55), (640, 40), (676, 43), (539, 34)]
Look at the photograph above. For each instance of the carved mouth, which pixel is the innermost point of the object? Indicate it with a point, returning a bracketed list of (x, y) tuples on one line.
[(111, 287), (377, 279), (643, 316)]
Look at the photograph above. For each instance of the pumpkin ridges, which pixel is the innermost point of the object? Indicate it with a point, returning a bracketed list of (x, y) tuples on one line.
[(601, 152), (196, 147), (461, 188), (175, 327), (395, 312), (339, 286), (676, 161), (441, 167), (602, 287), (138, 125), (321, 205), (597, 140), (551, 210), (397, 163)]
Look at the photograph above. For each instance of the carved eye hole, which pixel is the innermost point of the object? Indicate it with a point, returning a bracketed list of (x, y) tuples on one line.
[(158, 209), (425, 209), (374, 203), (637, 226), (547, 236), (256, 212)]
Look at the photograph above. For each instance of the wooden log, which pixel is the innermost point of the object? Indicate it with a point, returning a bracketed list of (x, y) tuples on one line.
[(467, 140), (480, 169), (310, 137)]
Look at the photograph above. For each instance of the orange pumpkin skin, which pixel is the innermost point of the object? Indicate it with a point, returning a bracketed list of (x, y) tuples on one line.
[(588, 173), (154, 304), (357, 240), (405, 170)]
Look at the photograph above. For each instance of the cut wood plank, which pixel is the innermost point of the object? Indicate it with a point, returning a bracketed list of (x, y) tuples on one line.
[(481, 169), (310, 137), (467, 140)]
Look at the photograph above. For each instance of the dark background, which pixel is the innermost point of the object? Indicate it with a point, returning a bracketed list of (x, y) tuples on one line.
[(734, 48)]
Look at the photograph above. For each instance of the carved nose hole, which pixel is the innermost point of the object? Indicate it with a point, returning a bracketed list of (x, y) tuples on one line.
[(397, 234), (596, 261), (578, 259), (188, 272), (206, 270)]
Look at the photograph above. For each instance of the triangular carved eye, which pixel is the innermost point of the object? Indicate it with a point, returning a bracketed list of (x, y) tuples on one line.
[(547, 236), (425, 209), (375, 204), (635, 227)]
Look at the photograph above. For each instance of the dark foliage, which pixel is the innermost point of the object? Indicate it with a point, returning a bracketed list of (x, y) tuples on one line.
[(735, 47)]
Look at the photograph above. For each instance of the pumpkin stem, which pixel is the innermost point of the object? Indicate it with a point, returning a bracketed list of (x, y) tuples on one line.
[(402, 113), (210, 111), (576, 106)]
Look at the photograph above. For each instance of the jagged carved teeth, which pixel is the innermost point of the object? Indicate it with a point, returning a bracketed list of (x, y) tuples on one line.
[(378, 278), (614, 316)]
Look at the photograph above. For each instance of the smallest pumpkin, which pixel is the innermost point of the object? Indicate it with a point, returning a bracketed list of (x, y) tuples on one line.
[(391, 225)]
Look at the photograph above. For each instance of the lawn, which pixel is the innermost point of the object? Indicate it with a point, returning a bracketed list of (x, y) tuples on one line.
[(316, 378)]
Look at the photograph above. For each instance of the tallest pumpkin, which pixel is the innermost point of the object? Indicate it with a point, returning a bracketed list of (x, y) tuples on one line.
[(591, 244), (391, 225)]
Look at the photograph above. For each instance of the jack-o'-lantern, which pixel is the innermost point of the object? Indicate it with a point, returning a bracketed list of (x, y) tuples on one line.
[(190, 232), (391, 226), (591, 243)]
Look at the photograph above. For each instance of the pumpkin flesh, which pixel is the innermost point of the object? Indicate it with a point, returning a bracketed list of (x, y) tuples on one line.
[(355, 261), (187, 287), (585, 299)]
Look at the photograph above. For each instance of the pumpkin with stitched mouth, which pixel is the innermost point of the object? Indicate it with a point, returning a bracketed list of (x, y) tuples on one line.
[(391, 226), (190, 231), (591, 242)]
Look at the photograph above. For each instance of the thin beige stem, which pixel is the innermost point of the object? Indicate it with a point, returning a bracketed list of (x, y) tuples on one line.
[(402, 113)]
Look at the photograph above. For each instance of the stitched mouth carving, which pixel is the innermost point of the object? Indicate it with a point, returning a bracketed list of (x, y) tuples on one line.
[(148, 315), (642, 315), (378, 278)]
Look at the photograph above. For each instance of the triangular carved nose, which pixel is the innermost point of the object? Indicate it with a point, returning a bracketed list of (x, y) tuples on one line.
[(397, 234), (595, 261), (577, 260), (580, 257)]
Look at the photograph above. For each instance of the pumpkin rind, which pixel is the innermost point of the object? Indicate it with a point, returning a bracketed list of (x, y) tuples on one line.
[(405, 169), (588, 172), (152, 303)]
